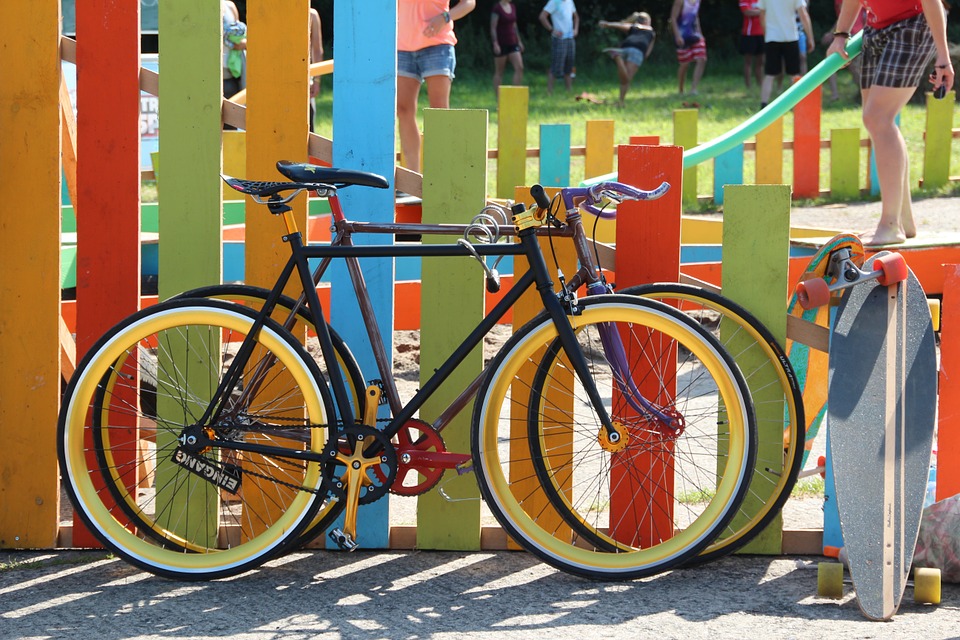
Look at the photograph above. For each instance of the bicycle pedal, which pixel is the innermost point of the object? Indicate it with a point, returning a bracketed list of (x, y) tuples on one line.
[(343, 540)]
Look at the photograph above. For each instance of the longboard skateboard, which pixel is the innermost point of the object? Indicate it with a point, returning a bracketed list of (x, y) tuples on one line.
[(882, 395), (810, 364)]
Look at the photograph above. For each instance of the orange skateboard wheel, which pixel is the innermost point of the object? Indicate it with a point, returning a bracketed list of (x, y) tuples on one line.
[(894, 269), (813, 293)]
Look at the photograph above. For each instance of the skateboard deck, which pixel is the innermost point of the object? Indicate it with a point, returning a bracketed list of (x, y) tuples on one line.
[(882, 407), (809, 364)]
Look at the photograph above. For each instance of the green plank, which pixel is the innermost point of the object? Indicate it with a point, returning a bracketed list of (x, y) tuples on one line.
[(685, 135), (936, 150), (755, 250), (845, 163), (191, 253), (454, 188), (512, 140)]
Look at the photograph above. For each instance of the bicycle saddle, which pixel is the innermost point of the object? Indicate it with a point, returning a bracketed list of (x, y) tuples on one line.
[(314, 174)]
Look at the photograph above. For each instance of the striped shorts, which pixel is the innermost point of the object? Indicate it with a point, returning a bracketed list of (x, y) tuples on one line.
[(898, 55), (696, 51), (563, 55)]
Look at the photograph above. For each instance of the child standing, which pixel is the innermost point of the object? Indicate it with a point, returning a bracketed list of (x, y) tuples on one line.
[(634, 48), (560, 18), (691, 47)]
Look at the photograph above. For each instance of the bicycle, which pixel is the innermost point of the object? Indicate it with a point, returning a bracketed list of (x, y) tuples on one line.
[(245, 440), (773, 385)]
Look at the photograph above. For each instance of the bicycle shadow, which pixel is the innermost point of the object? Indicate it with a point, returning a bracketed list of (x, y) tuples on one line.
[(423, 594)]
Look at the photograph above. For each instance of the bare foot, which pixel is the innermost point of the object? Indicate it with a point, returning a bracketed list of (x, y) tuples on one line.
[(882, 237)]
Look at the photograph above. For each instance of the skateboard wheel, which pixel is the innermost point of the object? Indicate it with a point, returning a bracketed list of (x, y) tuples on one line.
[(926, 585), (813, 293), (894, 269), (830, 580)]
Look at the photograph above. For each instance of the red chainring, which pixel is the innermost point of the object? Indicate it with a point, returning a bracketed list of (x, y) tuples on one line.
[(416, 477)]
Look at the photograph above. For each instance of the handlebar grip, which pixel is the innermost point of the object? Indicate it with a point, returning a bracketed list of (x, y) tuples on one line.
[(540, 197)]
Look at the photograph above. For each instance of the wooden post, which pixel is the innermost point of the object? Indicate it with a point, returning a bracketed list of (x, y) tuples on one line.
[(190, 248), (845, 163), (452, 303), (755, 275), (108, 179), (599, 158), (948, 429), (554, 155), (363, 124), (646, 168), (29, 273), (938, 140), (806, 146), (512, 139), (727, 170), (685, 135), (770, 154)]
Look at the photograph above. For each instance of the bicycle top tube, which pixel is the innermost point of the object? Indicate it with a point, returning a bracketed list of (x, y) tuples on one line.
[(588, 198)]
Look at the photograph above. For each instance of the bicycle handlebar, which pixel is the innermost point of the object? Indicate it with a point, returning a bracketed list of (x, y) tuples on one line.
[(587, 198)]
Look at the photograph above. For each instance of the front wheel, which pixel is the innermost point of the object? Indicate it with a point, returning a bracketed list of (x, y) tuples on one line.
[(134, 409), (615, 510)]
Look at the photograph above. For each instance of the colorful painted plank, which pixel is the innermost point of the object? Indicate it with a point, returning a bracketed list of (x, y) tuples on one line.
[(512, 139), (455, 179), (108, 181), (554, 155), (845, 163), (806, 146), (755, 276), (770, 154), (599, 152), (364, 139), (30, 191)]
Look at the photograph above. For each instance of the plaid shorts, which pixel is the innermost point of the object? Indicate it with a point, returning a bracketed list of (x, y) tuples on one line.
[(563, 54), (898, 55)]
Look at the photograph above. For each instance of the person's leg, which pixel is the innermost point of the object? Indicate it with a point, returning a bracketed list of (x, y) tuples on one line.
[(880, 108), (747, 69), (499, 64), (570, 61), (682, 75), (438, 91), (516, 59), (408, 91), (629, 70), (698, 66)]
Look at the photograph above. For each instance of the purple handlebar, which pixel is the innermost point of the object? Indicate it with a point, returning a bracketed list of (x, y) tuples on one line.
[(590, 197)]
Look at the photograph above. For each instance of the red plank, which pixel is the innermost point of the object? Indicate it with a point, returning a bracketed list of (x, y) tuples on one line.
[(948, 430), (654, 226), (806, 146), (108, 174)]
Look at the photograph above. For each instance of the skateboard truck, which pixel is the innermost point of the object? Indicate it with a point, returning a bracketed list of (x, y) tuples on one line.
[(890, 268)]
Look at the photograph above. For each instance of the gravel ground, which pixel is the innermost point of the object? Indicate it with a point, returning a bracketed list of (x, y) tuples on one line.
[(391, 595)]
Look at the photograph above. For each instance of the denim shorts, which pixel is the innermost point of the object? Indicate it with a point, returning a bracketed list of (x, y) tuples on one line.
[(438, 60), (632, 54)]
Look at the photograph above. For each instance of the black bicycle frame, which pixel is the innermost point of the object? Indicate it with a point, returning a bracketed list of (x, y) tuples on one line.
[(537, 273)]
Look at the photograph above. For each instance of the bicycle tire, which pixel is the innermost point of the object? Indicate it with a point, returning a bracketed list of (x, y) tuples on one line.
[(772, 383), (349, 368), (571, 525), (141, 499)]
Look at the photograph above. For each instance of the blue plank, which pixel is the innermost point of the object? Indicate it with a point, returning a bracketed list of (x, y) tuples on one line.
[(365, 87), (727, 169), (554, 155)]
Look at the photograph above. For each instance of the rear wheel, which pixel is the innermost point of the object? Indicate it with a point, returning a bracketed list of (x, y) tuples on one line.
[(777, 401), (146, 472)]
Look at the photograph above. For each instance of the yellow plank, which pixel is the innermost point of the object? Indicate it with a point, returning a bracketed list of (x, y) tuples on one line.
[(599, 152), (29, 272), (276, 121), (770, 154)]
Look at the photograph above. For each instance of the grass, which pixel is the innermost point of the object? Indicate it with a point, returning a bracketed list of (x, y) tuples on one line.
[(724, 100)]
